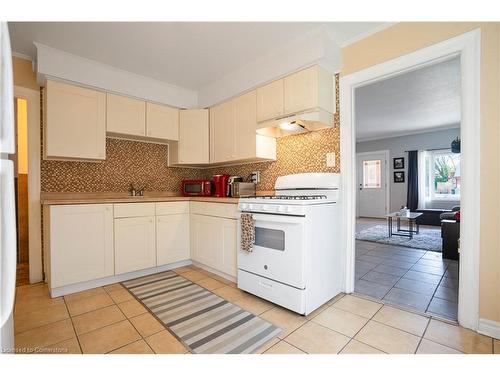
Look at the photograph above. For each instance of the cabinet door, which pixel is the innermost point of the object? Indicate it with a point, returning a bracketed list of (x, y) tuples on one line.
[(301, 90), (245, 125), (193, 136), (227, 240), (172, 238), (162, 122), (221, 132), (126, 115), (75, 122), (80, 243), (204, 240), (270, 100), (134, 244)]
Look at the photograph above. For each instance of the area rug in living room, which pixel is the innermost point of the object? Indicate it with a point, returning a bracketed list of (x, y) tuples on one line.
[(204, 322), (426, 239)]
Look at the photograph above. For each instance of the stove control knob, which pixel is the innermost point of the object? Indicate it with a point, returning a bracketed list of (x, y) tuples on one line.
[(281, 209), (250, 206), (244, 206), (288, 209), (264, 207)]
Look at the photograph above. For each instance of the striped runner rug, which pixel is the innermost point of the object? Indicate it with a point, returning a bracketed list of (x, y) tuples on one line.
[(203, 321)]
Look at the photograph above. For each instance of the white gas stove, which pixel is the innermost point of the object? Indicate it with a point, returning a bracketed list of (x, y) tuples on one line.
[(295, 261)]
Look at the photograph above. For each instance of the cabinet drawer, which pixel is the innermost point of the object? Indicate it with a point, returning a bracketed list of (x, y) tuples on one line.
[(228, 210), (171, 208), (134, 209)]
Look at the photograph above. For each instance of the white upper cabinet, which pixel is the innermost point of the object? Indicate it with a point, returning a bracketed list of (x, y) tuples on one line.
[(222, 132), (309, 88), (193, 146), (233, 137), (270, 101), (125, 115), (75, 122), (245, 125), (162, 122)]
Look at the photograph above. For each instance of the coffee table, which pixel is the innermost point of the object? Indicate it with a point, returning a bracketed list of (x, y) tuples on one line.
[(412, 224)]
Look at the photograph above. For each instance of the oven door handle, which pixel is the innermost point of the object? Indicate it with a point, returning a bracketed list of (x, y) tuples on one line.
[(278, 218)]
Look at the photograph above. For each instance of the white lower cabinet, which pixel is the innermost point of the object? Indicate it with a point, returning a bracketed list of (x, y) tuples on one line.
[(135, 247), (86, 242), (172, 238), (213, 242), (81, 243), (227, 242)]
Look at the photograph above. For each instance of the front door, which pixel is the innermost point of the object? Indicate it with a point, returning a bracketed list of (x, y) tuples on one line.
[(372, 184)]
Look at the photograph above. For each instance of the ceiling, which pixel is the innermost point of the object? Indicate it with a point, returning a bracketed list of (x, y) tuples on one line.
[(191, 55), (422, 100)]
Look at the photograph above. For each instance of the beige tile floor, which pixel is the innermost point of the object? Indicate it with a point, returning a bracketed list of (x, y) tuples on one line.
[(110, 320)]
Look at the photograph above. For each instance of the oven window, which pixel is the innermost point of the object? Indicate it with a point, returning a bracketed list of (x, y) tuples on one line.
[(270, 238), (192, 188)]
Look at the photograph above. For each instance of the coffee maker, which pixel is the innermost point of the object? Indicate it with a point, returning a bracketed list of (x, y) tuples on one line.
[(220, 182)]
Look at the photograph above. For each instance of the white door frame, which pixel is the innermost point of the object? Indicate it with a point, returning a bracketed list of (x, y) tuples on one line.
[(468, 47), (34, 207), (387, 179)]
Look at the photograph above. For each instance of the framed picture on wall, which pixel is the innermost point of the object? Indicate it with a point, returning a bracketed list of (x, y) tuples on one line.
[(399, 163), (399, 177)]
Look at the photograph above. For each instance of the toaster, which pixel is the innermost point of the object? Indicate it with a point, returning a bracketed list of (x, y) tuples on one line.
[(244, 189)]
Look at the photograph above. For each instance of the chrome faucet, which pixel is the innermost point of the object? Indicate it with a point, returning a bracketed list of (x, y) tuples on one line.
[(135, 192)]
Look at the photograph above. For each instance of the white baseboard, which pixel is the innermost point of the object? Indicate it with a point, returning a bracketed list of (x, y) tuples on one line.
[(489, 328), (214, 271), (78, 287)]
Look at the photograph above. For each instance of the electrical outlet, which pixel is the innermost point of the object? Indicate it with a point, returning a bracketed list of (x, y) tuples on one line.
[(255, 177), (330, 159)]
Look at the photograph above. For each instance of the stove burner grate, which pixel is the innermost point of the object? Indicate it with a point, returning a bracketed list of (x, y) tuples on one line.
[(291, 197)]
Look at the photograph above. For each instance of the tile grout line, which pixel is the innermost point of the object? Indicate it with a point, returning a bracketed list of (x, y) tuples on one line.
[(435, 342), (437, 287), (132, 324), (364, 325), (422, 337), (420, 258), (296, 347), (73, 325)]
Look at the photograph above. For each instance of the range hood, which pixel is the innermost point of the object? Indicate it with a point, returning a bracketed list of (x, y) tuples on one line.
[(297, 123)]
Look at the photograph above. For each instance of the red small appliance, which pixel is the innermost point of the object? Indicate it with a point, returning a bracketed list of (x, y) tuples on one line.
[(197, 188), (220, 182)]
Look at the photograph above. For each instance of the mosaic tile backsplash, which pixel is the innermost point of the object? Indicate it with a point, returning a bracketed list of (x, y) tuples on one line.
[(295, 154), (126, 161), (146, 163)]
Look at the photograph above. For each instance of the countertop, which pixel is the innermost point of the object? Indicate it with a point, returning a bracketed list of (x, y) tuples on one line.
[(88, 198)]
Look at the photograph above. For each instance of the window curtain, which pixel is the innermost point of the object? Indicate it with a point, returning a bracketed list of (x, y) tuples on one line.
[(422, 180), (412, 195)]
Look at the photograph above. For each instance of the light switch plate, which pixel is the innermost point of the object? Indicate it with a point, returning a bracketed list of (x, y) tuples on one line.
[(330, 159)]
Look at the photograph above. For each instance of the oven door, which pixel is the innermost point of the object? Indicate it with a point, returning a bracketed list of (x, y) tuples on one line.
[(278, 253)]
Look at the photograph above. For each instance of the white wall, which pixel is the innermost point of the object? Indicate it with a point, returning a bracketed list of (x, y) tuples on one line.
[(397, 147), (54, 63)]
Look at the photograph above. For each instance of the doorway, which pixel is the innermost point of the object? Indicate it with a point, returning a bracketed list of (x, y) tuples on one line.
[(467, 48), (20, 159), (373, 187), (27, 184)]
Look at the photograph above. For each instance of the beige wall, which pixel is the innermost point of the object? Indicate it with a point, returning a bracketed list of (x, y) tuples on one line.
[(23, 73), (404, 38)]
